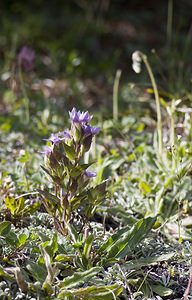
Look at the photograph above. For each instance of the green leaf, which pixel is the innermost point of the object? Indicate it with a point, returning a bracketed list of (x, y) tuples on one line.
[(161, 290), (22, 239), (144, 187), (55, 179), (25, 158), (94, 293), (11, 239), (32, 208), (45, 170), (75, 202), (11, 204), (48, 265), (98, 192), (85, 262), (76, 171), (125, 240), (67, 163), (5, 127), (79, 278), (20, 205), (180, 240), (5, 275), (88, 245), (5, 228), (148, 261), (106, 245), (15, 206), (48, 196), (73, 232), (37, 271), (71, 154), (47, 287), (52, 247), (64, 258), (43, 237)]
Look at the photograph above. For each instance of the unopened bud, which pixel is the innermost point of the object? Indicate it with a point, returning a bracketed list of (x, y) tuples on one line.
[(136, 58), (53, 161), (87, 142)]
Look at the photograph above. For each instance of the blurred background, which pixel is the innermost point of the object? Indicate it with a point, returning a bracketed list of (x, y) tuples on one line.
[(89, 40)]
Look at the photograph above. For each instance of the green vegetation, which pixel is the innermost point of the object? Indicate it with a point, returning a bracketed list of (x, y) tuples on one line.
[(102, 207)]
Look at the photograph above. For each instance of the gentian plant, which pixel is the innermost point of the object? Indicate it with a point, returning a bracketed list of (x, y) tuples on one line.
[(25, 59), (73, 193)]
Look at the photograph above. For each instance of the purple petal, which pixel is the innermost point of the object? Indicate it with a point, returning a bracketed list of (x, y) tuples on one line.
[(55, 139), (47, 150), (84, 117), (74, 115), (66, 133), (95, 130), (79, 117), (90, 129), (90, 174)]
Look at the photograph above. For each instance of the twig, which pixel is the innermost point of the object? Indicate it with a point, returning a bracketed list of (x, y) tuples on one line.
[(126, 282), (188, 286)]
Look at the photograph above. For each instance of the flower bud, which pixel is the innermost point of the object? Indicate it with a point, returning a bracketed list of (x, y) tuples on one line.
[(76, 132), (53, 161), (136, 58), (87, 142)]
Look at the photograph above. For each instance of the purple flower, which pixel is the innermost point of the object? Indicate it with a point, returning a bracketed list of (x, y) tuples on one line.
[(54, 139), (25, 57), (47, 150), (79, 117), (89, 174), (90, 129), (66, 133)]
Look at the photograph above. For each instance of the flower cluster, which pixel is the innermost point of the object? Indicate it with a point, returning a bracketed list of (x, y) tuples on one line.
[(78, 117), (25, 59), (68, 172), (81, 132)]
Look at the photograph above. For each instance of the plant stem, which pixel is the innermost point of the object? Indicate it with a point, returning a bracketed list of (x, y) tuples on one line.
[(25, 174), (172, 138), (159, 122), (172, 131), (26, 99), (169, 21), (115, 95)]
